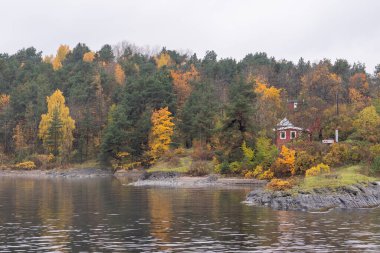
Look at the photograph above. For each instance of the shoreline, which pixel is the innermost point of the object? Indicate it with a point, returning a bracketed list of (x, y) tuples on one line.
[(139, 178), (345, 197), (57, 173), (175, 180), (323, 199)]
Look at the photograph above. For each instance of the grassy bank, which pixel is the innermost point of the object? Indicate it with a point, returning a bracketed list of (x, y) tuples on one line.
[(180, 166), (339, 177)]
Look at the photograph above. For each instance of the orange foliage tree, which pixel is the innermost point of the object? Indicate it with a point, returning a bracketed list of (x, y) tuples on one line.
[(181, 83), (358, 91), (119, 74), (89, 57)]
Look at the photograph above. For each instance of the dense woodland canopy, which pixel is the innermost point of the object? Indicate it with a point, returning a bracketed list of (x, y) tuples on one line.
[(126, 106)]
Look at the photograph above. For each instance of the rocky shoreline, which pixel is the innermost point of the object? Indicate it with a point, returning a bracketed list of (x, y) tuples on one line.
[(347, 197)]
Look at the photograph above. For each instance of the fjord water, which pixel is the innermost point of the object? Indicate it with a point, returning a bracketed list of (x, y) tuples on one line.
[(106, 215)]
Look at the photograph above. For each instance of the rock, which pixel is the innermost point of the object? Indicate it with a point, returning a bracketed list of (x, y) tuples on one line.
[(212, 178), (158, 175), (355, 196)]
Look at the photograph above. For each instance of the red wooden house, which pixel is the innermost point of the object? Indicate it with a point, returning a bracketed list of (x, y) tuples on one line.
[(287, 132)]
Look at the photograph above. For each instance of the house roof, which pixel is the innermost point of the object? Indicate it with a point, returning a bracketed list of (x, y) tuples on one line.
[(286, 124)]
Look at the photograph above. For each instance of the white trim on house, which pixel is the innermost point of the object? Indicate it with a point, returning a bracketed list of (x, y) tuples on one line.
[(286, 124)]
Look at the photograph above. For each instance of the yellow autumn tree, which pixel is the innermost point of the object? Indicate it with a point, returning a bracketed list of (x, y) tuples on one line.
[(163, 59), (119, 74), (161, 132), (268, 104), (181, 83), (367, 124), (62, 51), (56, 126), (89, 57)]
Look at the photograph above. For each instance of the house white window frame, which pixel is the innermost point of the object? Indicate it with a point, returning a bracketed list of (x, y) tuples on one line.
[(282, 132), (291, 135), (295, 105)]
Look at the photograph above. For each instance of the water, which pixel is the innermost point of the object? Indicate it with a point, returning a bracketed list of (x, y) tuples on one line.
[(103, 215)]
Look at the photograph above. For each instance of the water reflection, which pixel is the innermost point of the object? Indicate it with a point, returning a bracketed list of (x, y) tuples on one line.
[(71, 215)]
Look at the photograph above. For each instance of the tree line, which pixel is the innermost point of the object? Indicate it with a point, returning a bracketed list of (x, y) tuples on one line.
[(126, 107)]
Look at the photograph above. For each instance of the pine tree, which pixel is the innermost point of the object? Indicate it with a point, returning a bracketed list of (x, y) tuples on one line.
[(54, 133)]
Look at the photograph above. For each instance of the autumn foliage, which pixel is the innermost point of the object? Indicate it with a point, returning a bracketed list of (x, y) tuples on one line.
[(89, 57), (62, 51), (182, 83), (279, 185), (285, 163), (56, 126), (119, 74), (163, 59), (161, 132)]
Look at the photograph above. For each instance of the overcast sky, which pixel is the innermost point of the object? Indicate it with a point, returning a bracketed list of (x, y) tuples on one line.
[(287, 29)]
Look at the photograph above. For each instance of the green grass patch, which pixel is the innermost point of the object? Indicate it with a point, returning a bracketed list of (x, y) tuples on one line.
[(339, 177), (182, 166)]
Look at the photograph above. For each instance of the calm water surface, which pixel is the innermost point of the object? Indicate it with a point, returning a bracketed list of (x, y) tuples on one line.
[(103, 215)]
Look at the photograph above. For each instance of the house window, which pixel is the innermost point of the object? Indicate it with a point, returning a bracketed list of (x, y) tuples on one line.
[(282, 135), (295, 105), (293, 134)]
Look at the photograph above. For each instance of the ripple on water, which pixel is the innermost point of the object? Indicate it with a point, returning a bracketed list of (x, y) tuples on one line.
[(103, 215)]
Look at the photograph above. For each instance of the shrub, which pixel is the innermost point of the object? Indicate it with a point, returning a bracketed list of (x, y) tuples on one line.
[(339, 154), (258, 171), (236, 167), (200, 168), (374, 151), (285, 163), (303, 162), (318, 170), (357, 154), (315, 149), (375, 166), (222, 168), (28, 165), (266, 152), (279, 185), (249, 174), (43, 162), (179, 151), (266, 175), (201, 151)]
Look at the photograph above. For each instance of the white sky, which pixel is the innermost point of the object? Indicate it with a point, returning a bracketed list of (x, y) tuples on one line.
[(290, 29)]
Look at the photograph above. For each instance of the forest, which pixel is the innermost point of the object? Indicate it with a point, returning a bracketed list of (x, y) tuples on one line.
[(126, 107)]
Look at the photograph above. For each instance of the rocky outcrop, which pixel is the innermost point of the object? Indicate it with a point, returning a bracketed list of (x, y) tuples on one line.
[(354, 196), (159, 175)]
